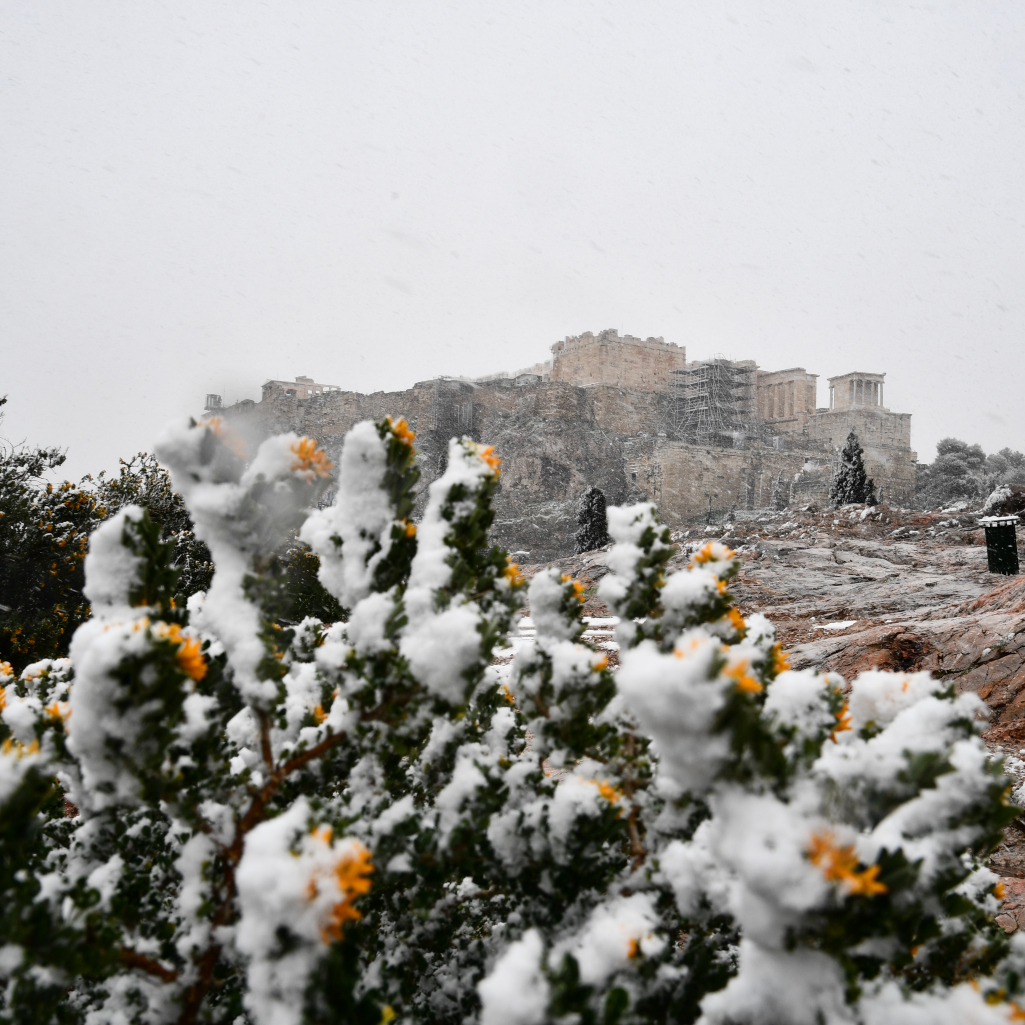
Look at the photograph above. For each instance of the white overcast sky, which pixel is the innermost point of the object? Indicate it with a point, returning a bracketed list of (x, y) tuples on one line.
[(198, 196)]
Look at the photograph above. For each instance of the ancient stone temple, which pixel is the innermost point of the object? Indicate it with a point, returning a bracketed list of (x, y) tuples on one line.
[(630, 416)]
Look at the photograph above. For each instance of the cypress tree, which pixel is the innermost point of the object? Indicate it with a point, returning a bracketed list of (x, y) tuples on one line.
[(850, 482), (780, 496), (592, 521)]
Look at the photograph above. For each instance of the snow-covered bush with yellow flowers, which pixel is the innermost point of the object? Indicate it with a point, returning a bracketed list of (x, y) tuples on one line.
[(211, 814)]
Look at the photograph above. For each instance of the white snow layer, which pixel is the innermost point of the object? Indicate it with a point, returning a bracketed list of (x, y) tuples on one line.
[(516, 992), (346, 534)]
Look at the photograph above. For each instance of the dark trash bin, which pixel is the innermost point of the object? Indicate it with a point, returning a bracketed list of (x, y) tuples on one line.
[(1001, 543)]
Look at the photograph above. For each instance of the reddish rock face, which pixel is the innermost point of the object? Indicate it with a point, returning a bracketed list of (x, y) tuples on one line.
[(1012, 915)]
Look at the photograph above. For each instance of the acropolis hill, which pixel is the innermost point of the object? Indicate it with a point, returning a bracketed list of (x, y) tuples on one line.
[(628, 415)]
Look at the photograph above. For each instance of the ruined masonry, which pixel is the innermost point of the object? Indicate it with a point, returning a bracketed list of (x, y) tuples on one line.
[(628, 415)]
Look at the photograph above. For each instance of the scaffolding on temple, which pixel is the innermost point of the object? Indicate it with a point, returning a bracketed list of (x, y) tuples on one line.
[(712, 402)]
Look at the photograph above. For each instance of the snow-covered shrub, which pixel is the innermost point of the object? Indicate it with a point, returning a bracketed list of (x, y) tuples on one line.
[(208, 817)]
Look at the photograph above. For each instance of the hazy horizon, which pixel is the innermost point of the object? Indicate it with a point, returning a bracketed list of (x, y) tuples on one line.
[(199, 196)]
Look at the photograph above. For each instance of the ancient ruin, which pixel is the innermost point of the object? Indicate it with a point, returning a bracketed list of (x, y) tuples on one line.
[(630, 416)]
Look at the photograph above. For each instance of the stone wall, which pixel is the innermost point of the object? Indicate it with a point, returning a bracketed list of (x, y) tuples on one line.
[(633, 363), (691, 482), (785, 394)]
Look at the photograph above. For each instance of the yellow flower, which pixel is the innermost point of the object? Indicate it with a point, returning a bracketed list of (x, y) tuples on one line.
[(189, 657), (843, 723), (410, 529), (319, 714), (58, 710), (220, 430), (487, 453), (507, 694), (609, 792), (401, 430), (324, 834), (513, 575), (708, 554), (311, 460), (352, 874), (737, 620), (600, 664), (840, 865), (779, 660), (693, 644), (745, 681), (19, 748), (999, 891), (387, 1015)]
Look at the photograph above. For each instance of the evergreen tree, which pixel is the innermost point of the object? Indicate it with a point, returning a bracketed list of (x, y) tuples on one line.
[(44, 530), (780, 494), (961, 472), (850, 482), (593, 521)]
